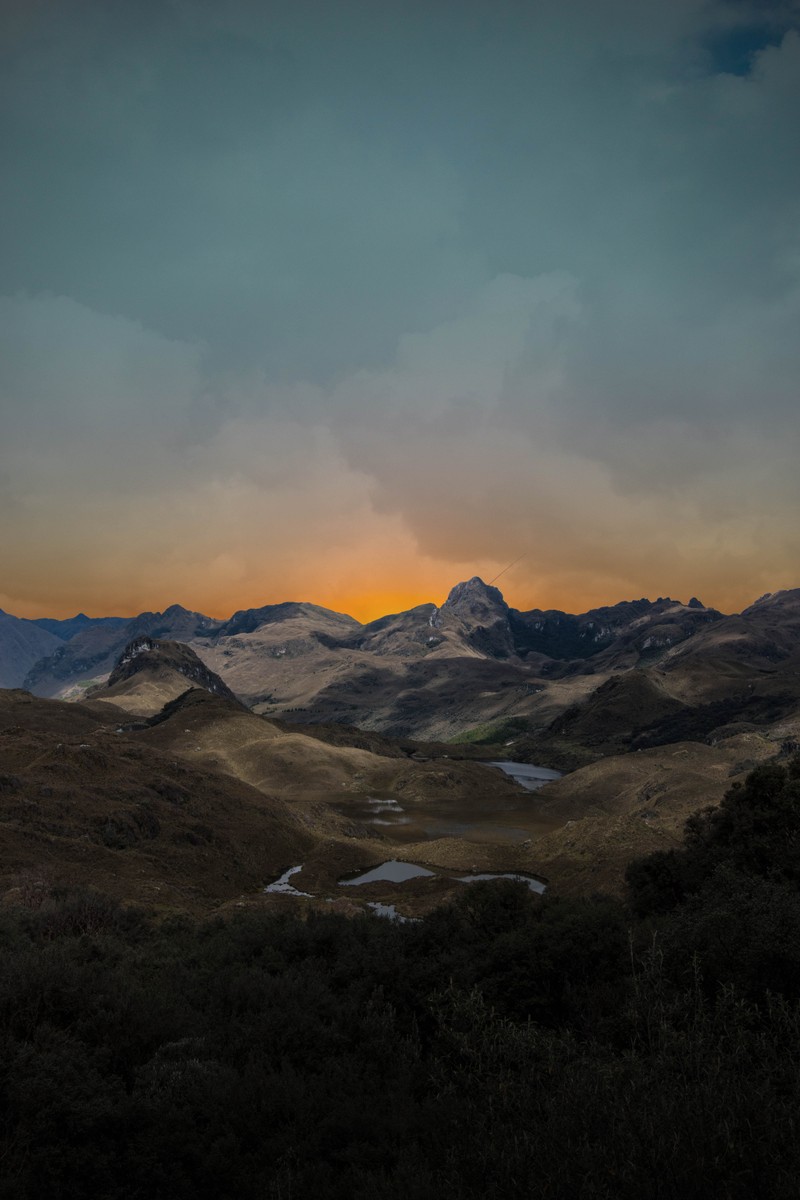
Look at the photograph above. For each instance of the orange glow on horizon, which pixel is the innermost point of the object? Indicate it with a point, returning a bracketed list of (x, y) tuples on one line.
[(366, 606)]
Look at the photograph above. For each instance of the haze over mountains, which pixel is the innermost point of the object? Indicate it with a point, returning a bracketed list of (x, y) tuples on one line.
[(22, 643)]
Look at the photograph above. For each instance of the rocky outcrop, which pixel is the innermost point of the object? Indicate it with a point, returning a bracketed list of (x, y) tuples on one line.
[(146, 654)]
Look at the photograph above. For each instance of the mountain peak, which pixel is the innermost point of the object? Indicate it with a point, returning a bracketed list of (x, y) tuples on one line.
[(474, 593), (483, 614), (150, 654), (176, 610)]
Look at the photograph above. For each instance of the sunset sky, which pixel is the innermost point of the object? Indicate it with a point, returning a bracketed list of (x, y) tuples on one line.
[(348, 301)]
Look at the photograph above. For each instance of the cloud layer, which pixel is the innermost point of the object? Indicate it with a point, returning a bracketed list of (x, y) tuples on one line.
[(344, 304)]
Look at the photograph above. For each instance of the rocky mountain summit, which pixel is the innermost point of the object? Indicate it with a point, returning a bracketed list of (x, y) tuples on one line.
[(149, 655), (483, 616), (250, 619), (475, 599), (629, 631)]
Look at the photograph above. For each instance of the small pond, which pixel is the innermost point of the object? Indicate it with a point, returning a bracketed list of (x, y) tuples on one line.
[(283, 886), (398, 872), (527, 775), (395, 871), (388, 872)]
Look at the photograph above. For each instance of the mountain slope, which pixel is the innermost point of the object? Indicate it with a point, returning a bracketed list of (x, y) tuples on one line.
[(277, 650), (624, 634), (92, 653), (624, 806), (82, 803), (436, 672), (203, 798), (161, 791), (756, 651)]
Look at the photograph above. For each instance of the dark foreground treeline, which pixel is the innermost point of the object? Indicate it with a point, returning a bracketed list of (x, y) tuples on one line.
[(504, 1047)]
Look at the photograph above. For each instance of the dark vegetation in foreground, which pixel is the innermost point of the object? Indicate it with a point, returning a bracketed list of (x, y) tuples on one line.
[(506, 1046)]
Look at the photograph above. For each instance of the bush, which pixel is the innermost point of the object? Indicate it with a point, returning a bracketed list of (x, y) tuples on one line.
[(755, 831)]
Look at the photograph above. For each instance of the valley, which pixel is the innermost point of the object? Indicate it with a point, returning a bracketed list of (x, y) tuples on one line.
[(187, 763)]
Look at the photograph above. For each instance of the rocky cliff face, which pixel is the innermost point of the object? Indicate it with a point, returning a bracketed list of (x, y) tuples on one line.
[(625, 632)]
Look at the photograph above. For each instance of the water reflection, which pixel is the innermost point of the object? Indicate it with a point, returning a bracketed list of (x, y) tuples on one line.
[(398, 872), (526, 774), (389, 872)]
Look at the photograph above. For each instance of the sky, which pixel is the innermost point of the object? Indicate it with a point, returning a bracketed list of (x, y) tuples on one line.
[(346, 302)]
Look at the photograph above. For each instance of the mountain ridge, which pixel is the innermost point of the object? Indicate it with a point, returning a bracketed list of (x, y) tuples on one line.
[(438, 672)]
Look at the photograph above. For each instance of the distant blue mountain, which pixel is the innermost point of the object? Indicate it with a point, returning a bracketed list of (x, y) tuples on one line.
[(66, 630), (22, 643)]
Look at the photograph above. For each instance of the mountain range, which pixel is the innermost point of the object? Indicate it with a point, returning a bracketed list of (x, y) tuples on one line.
[(635, 672), (175, 758), (474, 621)]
